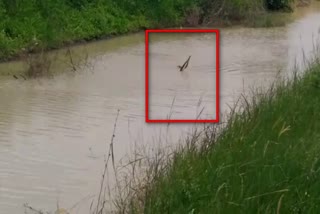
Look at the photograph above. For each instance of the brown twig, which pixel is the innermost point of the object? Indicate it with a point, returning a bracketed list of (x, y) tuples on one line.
[(111, 154)]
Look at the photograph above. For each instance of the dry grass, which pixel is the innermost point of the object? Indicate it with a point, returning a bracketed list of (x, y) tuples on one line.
[(41, 63), (38, 65)]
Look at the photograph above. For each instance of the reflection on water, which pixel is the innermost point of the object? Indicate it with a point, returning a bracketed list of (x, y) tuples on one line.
[(54, 132)]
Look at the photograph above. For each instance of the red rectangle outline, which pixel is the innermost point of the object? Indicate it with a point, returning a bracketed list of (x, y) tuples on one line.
[(216, 31)]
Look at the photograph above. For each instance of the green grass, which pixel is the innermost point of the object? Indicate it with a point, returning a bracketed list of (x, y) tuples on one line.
[(28, 26), (265, 160)]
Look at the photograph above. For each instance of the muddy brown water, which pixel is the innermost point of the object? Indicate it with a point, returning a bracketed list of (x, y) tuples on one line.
[(54, 132)]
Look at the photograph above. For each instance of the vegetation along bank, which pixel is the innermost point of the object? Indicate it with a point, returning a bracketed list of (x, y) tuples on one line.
[(31, 25), (265, 160)]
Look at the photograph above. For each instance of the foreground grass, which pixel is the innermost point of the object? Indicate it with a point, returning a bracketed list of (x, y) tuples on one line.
[(265, 160)]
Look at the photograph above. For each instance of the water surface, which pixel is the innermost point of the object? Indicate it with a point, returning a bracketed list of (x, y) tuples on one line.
[(54, 132)]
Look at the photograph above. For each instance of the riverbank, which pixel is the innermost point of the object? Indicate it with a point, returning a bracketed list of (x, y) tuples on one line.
[(266, 159), (30, 26)]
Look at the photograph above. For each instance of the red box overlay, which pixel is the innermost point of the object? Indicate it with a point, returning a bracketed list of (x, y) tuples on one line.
[(216, 31)]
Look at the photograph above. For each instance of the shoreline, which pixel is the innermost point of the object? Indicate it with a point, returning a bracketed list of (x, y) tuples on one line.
[(265, 19), (21, 55)]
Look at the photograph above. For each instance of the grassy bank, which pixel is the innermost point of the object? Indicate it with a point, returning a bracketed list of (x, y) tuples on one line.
[(27, 26), (265, 160)]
